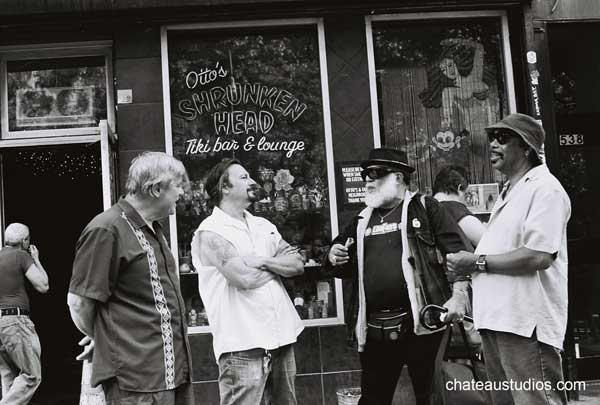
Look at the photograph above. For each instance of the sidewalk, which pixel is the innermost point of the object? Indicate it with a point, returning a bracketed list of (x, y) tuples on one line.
[(590, 396)]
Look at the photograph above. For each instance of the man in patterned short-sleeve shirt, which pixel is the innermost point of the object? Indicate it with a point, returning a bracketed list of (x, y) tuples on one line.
[(125, 294)]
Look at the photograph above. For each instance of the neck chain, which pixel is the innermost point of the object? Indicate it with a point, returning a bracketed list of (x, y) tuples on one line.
[(382, 217)]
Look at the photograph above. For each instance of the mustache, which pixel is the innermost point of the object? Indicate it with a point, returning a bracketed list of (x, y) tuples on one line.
[(259, 192)]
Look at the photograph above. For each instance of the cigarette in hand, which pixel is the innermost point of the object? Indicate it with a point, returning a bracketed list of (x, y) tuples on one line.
[(349, 242)]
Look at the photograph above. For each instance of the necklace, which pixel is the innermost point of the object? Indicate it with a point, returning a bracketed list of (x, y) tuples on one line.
[(382, 217)]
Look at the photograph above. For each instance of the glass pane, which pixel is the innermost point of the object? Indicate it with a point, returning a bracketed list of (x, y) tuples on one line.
[(56, 93), (256, 96), (440, 83)]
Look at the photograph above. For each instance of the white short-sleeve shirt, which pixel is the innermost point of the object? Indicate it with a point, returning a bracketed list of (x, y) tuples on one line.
[(262, 317), (534, 215)]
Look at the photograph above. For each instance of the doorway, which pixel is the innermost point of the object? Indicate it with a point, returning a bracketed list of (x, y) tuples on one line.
[(575, 63), (56, 191)]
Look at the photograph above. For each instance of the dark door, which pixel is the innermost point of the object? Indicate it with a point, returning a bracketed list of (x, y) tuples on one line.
[(575, 63), (55, 191)]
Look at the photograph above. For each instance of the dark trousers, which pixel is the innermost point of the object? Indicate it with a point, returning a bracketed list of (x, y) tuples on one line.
[(382, 364)]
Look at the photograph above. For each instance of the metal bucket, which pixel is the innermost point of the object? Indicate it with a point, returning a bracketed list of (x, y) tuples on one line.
[(348, 396)]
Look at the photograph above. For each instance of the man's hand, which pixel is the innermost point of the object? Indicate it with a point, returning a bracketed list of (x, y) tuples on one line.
[(458, 305), (461, 263), (88, 349), (35, 253), (338, 255)]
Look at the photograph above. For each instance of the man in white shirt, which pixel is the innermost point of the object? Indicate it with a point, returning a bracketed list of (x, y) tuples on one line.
[(240, 259), (520, 270)]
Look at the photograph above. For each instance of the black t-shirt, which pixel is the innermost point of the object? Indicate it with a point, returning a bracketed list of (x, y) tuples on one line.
[(14, 263), (458, 211), (385, 287)]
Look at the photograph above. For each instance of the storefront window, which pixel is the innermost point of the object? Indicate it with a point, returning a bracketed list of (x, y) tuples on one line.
[(439, 84), (52, 94), (255, 94)]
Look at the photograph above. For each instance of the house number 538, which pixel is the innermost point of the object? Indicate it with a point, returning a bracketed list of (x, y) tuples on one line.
[(570, 139)]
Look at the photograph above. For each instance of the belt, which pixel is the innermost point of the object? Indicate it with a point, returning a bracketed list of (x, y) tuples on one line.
[(13, 311)]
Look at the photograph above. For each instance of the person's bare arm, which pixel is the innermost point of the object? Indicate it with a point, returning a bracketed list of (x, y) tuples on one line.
[(472, 227), (83, 314), (287, 261), (243, 274), (36, 274)]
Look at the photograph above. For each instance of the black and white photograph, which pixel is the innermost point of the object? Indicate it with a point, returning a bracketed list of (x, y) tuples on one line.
[(244, 202)]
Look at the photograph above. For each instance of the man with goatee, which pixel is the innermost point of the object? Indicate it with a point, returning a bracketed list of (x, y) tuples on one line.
[(240, 259)]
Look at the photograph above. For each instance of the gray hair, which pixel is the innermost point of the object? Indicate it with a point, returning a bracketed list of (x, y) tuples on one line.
[(15, 234), (151, 168)]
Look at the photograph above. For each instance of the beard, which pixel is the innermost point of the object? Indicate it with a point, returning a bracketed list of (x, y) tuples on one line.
[(386, 193)]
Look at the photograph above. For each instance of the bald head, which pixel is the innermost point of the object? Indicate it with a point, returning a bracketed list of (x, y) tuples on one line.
[(15, 234)]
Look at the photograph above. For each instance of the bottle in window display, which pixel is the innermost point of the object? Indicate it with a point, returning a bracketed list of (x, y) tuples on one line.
[(304, 197), (281, 203), (295, 200), (193, 318), (299, 304)]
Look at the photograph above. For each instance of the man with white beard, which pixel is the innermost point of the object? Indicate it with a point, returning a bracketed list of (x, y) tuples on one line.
[(394, 254)]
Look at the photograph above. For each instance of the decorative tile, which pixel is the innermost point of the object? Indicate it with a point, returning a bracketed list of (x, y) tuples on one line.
[(336, 354), (141, 126), (307, 353), (143, 76), (203, 357), (137, 42), (309, 390), (206, 393)]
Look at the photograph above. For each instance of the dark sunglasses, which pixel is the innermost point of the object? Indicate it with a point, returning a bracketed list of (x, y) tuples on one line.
[(502, 137), (375, 173)]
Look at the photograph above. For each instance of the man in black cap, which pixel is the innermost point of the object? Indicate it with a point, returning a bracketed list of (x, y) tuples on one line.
[(390, 264), (520, 270)]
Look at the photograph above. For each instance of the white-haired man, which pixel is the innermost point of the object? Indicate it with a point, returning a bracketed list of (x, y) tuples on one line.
[(395, 270), (240, 258), (125, 294), (20, 348)]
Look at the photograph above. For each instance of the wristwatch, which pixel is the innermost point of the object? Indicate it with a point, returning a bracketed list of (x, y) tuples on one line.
[(481, 264)]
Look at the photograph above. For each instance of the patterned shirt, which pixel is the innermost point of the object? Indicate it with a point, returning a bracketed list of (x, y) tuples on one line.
[(139, 332)]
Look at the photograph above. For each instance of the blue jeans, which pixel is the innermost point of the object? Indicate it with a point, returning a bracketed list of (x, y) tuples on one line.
[(522, 361), (20, 365), (247, 376)]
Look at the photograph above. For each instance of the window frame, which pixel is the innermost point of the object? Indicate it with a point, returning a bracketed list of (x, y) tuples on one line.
[(440, 16), (48, 51), (332, 195)]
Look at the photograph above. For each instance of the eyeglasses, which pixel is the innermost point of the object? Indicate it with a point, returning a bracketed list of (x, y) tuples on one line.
[(375, 173), (501, 136)]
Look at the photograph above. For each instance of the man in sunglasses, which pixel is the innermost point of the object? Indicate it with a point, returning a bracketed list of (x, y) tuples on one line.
[(389, 252), (520, 269)]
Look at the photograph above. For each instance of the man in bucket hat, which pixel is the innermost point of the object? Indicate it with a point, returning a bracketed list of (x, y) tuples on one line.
[(384, 253), (520, 269)]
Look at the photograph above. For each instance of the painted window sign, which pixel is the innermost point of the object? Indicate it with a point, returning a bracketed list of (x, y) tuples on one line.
[(255, 96), (56, 93), (440, 83)]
